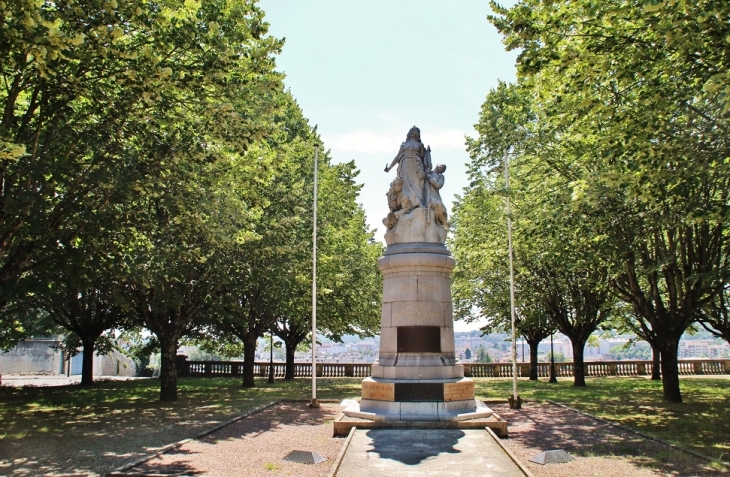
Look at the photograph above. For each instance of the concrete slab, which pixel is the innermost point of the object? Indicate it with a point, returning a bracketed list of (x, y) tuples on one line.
[(432, 452)]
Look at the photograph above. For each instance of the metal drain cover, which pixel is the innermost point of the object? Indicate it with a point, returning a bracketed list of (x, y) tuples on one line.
[(304, 457), (552, 457)]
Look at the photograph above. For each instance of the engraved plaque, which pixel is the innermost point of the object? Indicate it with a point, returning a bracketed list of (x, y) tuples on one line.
[(378, 391), (419, 339), (414, 392), (460, 391)]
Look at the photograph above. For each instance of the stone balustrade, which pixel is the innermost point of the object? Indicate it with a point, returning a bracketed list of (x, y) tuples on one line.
[(473, 370)]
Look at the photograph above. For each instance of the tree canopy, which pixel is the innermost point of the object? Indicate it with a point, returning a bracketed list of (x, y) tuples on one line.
[(153, 166), (617, 129)]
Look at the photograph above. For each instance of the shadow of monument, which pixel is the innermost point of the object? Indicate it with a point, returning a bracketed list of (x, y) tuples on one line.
[(412, 446)]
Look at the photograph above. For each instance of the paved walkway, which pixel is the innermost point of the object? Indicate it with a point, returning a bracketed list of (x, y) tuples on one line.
[(20, 380), (426, 452)]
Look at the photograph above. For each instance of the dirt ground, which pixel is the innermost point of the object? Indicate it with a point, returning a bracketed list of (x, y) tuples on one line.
[(598, 448)]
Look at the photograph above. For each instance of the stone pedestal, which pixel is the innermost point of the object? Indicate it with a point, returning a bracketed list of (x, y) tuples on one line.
[(417, 376)]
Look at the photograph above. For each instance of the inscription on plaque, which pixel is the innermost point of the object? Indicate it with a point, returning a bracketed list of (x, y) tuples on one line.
[(378, 391), (407, 392), (460, 391), (419, 339), (427, 285), (421, 310)]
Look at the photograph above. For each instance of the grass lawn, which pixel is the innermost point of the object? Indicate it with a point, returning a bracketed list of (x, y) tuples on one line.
[(31, 411), (113, 409)]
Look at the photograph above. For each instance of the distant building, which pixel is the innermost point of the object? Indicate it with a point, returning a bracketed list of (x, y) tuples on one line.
[(719, 351), (703, 349), (694, 348), (44, 356)]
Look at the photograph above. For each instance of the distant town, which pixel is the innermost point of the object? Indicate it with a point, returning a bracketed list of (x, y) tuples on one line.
[(472, 347)]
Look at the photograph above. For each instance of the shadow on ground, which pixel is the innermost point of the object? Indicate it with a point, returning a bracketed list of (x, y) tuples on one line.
[(414, 447), (544, 426)]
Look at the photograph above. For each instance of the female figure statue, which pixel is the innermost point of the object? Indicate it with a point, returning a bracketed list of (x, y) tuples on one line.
[(414, 162)]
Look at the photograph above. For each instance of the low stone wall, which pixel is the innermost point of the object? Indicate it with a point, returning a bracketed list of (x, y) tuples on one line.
[(114, 364), (472, 370), (215, 369), (33, 356), (597, 368)]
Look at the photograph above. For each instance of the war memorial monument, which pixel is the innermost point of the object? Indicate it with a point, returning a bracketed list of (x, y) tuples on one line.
[(417, 376)]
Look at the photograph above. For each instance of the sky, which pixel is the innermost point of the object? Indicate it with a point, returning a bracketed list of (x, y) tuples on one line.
[(365, 72)]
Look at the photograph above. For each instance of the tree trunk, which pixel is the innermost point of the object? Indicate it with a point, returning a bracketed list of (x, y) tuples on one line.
[(249, 355), (87, 363), (533, 360), (290, 349), (579, 376), (670, 370), (656, 365), (168, 370)]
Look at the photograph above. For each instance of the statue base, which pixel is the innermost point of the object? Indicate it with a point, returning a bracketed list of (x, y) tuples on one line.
[(418, 400), (417, 376)]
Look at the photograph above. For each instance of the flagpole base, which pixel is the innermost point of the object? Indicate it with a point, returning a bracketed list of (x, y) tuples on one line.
[(314, 403)]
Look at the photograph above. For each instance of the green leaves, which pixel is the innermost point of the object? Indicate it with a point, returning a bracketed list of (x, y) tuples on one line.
[(630, 143)]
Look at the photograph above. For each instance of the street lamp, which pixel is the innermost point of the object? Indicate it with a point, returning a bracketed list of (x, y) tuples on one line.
[(553, 378), (271, 358), (514, 401), (314, 402)]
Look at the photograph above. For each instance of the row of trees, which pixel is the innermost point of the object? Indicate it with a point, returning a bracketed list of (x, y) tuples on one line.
[(616, 132), (156, 176)]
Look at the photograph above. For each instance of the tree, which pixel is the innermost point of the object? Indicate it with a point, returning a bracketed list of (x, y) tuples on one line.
[(270, 275), (715, 316), (86, 313), (627, 321), (559, 357), (629, 351), (652, 179), (483, 356), (557, 272), (292, 332), (263, 273), (273, 275), (188, 208), (467, 353)]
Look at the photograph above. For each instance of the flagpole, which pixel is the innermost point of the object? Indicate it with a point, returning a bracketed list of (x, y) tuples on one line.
[(314, 402), (515, 400)]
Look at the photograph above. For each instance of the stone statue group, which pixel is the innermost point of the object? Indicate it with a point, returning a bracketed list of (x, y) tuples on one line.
[(417, 184)]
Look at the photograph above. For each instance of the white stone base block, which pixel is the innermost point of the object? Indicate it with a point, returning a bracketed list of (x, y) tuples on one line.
[(418, 411), (417, 372)]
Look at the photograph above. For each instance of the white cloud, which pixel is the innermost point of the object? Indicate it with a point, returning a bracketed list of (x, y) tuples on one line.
[(447, 139), (363, 141), (367, 141)]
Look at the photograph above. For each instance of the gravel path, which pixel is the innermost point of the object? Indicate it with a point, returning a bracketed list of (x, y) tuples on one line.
[(257, 445), (599, 449)]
